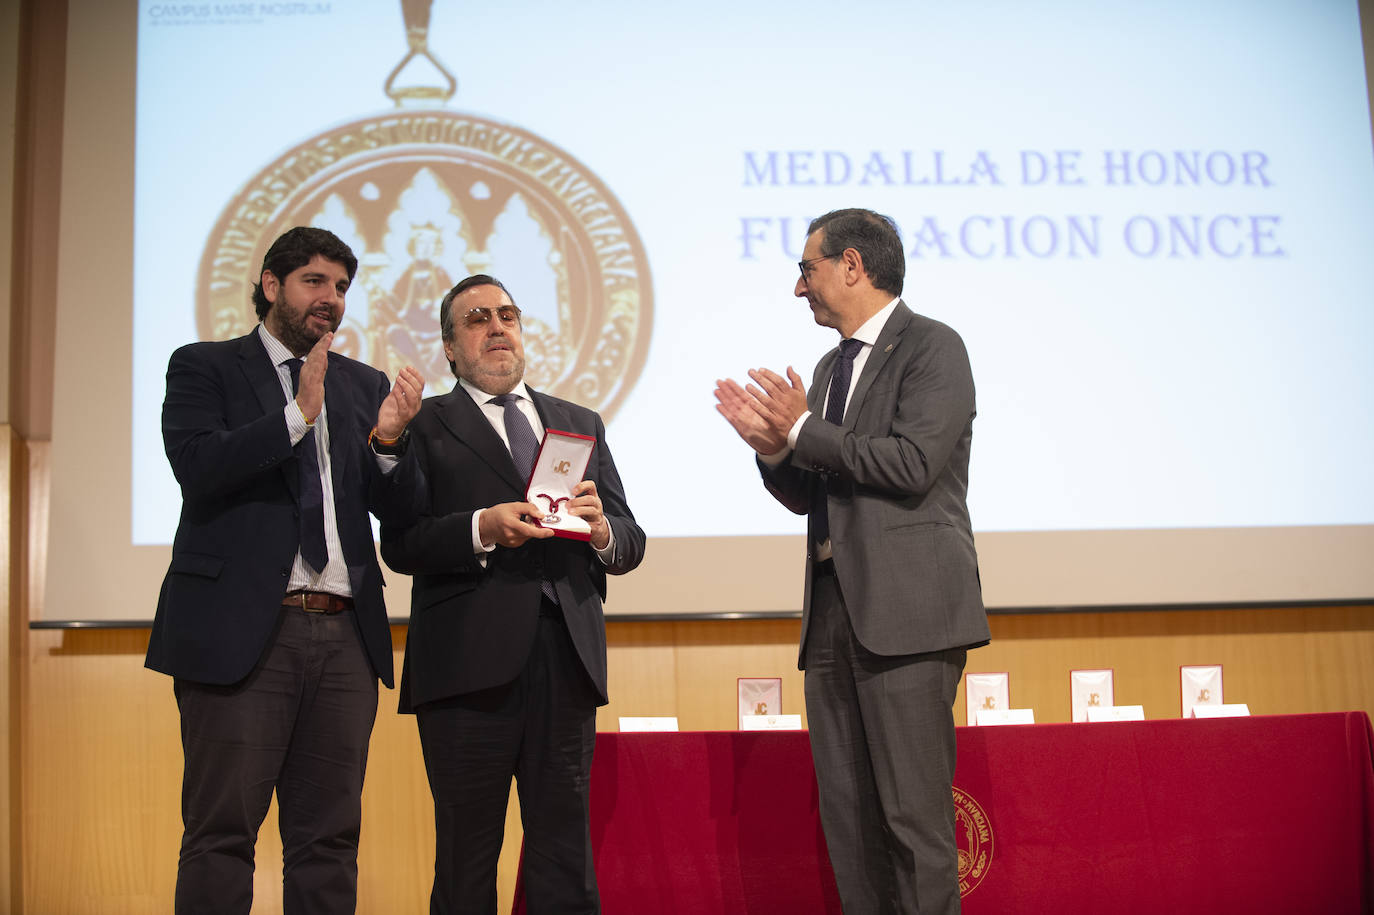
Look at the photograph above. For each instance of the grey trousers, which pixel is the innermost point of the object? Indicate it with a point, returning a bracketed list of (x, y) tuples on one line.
[(882, 739)]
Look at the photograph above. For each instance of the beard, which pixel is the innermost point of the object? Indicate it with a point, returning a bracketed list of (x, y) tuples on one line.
[(493, 379), (295, 331)]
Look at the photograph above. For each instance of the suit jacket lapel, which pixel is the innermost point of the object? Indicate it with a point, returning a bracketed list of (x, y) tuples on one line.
[(267, 388), (467, 423), (261, 373), (551, 413), (887, 341)]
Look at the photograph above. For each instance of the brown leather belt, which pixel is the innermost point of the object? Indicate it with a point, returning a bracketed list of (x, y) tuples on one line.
[(317, 601)]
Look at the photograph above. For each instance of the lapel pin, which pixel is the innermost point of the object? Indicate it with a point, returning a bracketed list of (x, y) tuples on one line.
[(889, 348)]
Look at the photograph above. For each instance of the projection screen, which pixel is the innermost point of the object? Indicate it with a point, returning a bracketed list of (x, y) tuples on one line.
[(1152, 228)]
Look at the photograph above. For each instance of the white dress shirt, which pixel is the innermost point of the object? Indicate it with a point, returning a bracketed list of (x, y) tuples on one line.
[(334, 576)]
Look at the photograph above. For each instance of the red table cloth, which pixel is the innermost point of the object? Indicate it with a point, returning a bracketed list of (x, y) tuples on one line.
[(1255, 815)]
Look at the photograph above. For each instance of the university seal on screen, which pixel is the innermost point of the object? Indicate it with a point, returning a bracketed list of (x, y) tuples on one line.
[(973, 836), (427, 195)]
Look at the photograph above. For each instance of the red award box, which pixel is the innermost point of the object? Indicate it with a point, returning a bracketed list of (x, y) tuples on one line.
[(559, 466)]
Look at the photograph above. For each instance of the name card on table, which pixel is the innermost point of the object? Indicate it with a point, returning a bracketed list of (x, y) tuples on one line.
[(986, 692), (988, 716), (1226, 710), (1198, 684), (758, 696), (770, 723), (648, 724), (1117, 713), (1089, 689), (559, 466)]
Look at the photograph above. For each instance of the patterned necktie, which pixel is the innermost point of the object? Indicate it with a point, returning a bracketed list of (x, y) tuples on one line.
[(313, 549), (523, 446), (839, 380), (834, 413)]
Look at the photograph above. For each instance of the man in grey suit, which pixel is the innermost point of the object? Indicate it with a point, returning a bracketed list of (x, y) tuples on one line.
[(877, 457)]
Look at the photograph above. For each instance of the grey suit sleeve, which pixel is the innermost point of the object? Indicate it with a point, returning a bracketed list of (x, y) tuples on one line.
[(927, 389), (790, 481), (789, 484)]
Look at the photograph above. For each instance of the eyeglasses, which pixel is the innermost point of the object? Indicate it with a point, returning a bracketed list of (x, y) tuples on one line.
[(508, 315), (803, 265)]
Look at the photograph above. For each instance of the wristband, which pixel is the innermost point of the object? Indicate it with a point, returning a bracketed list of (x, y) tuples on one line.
[(394, 447)]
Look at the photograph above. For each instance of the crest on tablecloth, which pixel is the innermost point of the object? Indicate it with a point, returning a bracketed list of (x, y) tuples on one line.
[(973, 835)]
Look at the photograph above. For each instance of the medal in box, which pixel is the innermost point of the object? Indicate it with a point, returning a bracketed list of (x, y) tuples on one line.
[(559, 466)]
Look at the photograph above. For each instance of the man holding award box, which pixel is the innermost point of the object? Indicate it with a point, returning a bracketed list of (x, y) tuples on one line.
[(505, 660)]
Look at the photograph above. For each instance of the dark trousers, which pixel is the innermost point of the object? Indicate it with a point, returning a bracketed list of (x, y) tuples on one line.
[(882, 739), (540, 729), (299, 724)]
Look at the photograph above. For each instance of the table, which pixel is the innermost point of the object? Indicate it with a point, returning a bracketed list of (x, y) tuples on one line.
[(1256, 815)]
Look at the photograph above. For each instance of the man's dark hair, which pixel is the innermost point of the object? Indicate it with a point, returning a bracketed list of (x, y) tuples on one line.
[(296, 248), (874, 236), (446, 306)]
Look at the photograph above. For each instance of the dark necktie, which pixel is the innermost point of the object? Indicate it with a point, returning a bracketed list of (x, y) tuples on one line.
[(523, 446), (313, 549), (834, 413)]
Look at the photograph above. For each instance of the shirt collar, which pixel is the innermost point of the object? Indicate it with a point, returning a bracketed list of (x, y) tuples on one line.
[(869, 330), (276, 350), (480, 397)]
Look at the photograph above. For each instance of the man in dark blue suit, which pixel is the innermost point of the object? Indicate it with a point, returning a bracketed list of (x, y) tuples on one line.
[(506, 656), (271, 617)]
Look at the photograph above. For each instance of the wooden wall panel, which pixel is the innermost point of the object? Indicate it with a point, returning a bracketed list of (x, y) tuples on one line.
[(689, 668), (13, 621), (1277, 661), (103, 759), (642, 674)]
